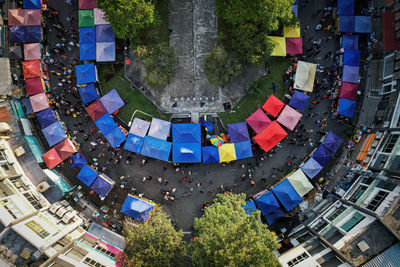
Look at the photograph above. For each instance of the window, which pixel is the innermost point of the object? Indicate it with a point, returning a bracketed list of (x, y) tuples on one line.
[(10, 206), (37, 229), (390, 143), (92, 263), (358, 193), (320, 225), (35, 203), (357, 217), (297, 260), (378, 199), (105, 251), (336, 213)]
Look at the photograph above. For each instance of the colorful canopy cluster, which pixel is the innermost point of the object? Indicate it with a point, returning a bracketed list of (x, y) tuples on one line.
[(290, 44)]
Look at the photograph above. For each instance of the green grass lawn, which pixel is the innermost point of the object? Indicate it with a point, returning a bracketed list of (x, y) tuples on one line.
[(259, 93)]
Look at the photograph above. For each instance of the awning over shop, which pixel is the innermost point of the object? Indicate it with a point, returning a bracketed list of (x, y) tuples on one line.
[(34, 86), (238, 132), (311, 168), (210, 154), (273, 106), (85, 73), (39, 102), (46, 117), (294, 46), (186, 152), (300, 182), (287, 195), (322, 155), (99, 18), (96, 110), (78, 161), (362, 24), (87, 35), (102, 186), (350, 42), (87, 51), (366, 145), (88, 93), (351, 57), (65, 149), (243, 150), (345, 7), (115, 137), (348, 91), (186, 133), (305, 75), (32, 51), (289, 31), (104, 34), (270, 136), (156, 148), (87, 4), (227, 152), (133, 143), (346, 24), (159, 129), (54, 133), (347, 107), (31, 69), (269, 207), (105, 52), (289, 117), (279, 46), (112, 101), (51, 158), (137, 208), (258, 121), (139, 127), (350, 74), (332, 141), (87, 175), (86, 18), (299, 100), (390, 42)]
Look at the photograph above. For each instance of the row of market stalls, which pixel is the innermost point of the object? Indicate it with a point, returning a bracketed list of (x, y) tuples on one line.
[(290, 44)]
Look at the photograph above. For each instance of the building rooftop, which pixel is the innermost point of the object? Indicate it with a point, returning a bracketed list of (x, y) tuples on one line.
[(390, 257)]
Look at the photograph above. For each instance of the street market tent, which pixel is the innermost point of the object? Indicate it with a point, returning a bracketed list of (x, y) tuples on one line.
[(287, 195), (16, 34), (270, 136), (51, 158), (300, 182), (78, 161), (32, 17), (105, 52), (32, 4), (238, 132), (34, 86), (112, 101), (105, 124), (243, 150), (350, 74), (279, 44), (322, 155), (104, 34), (39, 102), (347, 107), (348, 91), (186, 152), (27, 104), (332, 141), (102, 186), (311, 167), (210, 154), (33, 34), (250, 207), (227, 152), (269, 207), (305, 75), (46, 117), (15, 52), (137, 208), (289, 117), (346, 24), (186, 133), (139, 127), (273, 106), (258, 121), (65, 149), (87, 51), (299, 100), (99, 18), (31, 69), (159, 129), (87, 4), (156, 148), (115, 137), (345, 7), (54, 133), (351, 57), (133, 143), (96, 110), (87, 35), (16, 17), (85, 73), (87, 175), (88, 93), (350, 42), (294, 46), (362, 24), (32, 51), (289, 31), (86, 18)]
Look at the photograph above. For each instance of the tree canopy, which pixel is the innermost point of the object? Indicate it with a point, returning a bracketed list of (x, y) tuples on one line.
[(154, 243), (227, 236)]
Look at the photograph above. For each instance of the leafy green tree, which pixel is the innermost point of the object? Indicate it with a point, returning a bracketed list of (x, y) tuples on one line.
[(221, 67), (227, 236), (154, 243), (129, 17)]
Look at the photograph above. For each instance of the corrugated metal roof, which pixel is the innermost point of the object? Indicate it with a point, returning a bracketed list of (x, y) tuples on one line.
[(5, 77), (388, 258)]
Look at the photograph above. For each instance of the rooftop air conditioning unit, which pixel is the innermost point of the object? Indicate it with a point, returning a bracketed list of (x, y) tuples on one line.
[(61, 212), (43, 186), (68, 216), (54, 207)]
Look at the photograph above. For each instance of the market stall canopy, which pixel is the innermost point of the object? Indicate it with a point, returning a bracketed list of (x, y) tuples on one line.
[(243, 150), (36, 149), (33, 17), (350, 74), (139, 127), (270, 136), (351, 57), (99, 17), (159, 129), (32, 4), (85, 73), (305, 75), (15, 52), (54, 133), (115, 137), (350, 42), (34, 86), (289, 117), (238, 132), (87, 4), (137, 208), (87, 51), (31, 69), (78, 161), (5, 77), (102, 186), (32, 51), (104, 34), (186, 133), (88, 93), (87, 35), (16, 17), (51, 158), (27, 104), (346, 24), (46, 117), (273, 106), (287, 195), (300, 182), (186, 152), (87, 175), (279, 44), (105, 52), (86, 18), (311, 168), (322, 155), (105, 124), (210, 154), (269, 207), (347, 107), (134, 143), (294, 46), (16, 34), (299, 100), (348, 91), (258, 121), (65, 149), (33, 34), (227, 152), (112, 102), (362, 24), (39, 102), (345, 7), (96, 110), (289, 31), (332, 141), (156, 148), (250, 207)]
